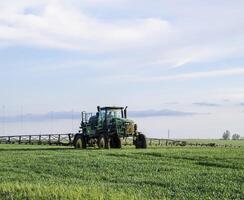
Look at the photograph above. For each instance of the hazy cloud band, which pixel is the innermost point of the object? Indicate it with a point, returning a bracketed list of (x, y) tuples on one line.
[(77, 115)]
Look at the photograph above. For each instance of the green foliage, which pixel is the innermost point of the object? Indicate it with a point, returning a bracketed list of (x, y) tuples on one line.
[(236, 136), (45, 172), (226, 135)]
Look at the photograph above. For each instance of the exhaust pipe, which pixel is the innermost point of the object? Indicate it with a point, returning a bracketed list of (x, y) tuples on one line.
[(125, 112)]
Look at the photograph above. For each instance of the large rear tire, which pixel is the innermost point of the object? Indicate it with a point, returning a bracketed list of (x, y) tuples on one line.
[(141, 141), (80, 142), (115, 142)]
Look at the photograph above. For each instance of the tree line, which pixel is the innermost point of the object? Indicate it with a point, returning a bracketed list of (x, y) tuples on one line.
[(227, 136)]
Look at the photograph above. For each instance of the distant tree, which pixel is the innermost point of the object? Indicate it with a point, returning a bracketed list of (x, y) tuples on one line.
[(236, 136), (226, 135)]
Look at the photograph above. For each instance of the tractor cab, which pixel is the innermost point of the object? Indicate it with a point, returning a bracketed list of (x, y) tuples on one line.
[(106, 114), (103, 117)]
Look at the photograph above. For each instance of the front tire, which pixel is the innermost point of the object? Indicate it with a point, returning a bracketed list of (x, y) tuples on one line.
[(141, 142), (80, 142)]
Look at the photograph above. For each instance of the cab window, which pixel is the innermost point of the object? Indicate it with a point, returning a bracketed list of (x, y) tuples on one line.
[(102, 115), (114, 114)]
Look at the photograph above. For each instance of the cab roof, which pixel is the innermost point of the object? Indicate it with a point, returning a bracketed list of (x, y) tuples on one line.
[(111, 108)]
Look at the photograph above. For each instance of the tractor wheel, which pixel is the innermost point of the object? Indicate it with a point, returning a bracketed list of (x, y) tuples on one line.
[(115, 142), (103, 142), (112, 145), (80, 142), (107, 142), (141, 141)]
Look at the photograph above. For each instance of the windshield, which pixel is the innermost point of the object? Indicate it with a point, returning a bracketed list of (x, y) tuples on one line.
[(102, 115), (114, 113)]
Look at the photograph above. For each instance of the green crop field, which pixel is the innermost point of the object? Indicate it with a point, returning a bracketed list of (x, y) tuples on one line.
[(234, 143), (47, 172)]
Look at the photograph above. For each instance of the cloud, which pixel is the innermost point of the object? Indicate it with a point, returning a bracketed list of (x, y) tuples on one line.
[(242, 104), (62, 25), (69, 115), (158, 113), (172, 103), (226, 100), (207, 74), (41, 117), (200, 54), (184, 76), (233, 94), (182, 35), (206, 104)]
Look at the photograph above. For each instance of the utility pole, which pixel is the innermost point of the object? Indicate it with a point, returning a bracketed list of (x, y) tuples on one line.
[(51, 122), (21, 120), (72, 123), (168, 133), (3, 118)]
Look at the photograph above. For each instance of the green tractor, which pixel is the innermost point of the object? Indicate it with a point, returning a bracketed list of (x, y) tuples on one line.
[(106, 128)]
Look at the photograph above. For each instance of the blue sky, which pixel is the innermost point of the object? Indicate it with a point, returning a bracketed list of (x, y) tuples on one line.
[(178, 65)]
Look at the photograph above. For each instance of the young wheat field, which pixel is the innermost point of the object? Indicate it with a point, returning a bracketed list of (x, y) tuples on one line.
[(48, 172)]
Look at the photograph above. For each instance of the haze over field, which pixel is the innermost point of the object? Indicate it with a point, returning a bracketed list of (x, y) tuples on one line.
[(178, 65)]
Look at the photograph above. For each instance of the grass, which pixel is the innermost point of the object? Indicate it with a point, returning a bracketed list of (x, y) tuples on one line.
[(47, 172), (234, 143)]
